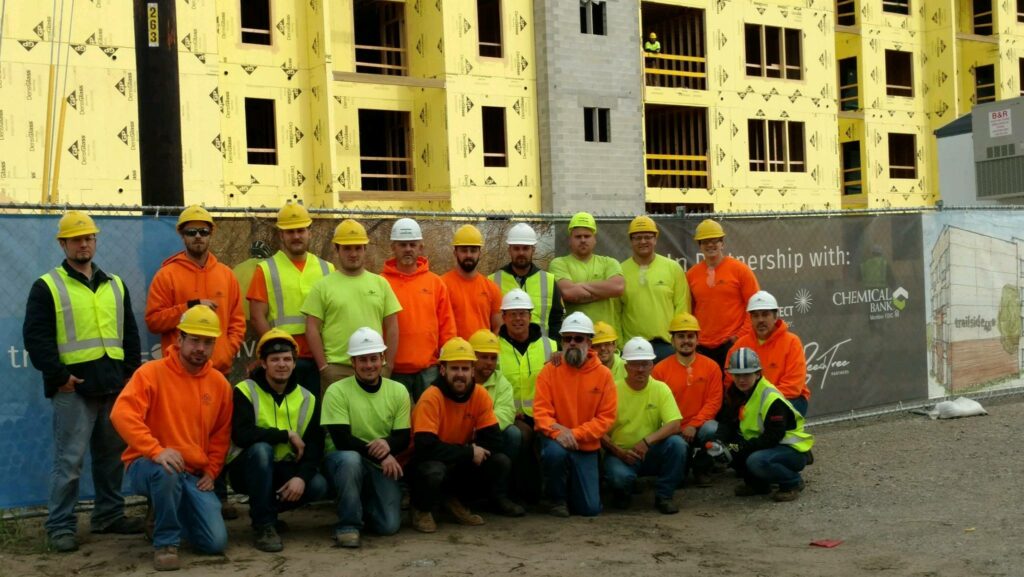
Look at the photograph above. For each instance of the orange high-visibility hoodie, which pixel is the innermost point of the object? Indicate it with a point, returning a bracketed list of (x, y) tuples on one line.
[(426, 321), (584, 400), (180, 280), (164, 406), (783, 361), (721, 308)]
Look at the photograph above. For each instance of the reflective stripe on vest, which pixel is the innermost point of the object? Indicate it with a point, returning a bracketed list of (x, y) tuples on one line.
[(523, 375), (289, 320), (752, 422), (539, 290), (282, 451), (87, 332)]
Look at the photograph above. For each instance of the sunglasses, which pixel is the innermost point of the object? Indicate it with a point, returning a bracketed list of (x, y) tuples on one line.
[(203, 232), (574, 339)]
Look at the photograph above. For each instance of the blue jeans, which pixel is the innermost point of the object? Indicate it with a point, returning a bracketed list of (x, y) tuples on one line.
[(255, 473), (417, 383), (179, 508), (360, 480), (666, 460), (779, 465), (800, 404), (571, 474), (512, 439), (79, 424)]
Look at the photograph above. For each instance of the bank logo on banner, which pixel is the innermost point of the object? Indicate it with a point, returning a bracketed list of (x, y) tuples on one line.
[(882, 303)]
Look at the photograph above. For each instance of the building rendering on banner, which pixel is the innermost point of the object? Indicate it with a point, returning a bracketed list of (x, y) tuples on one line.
[(499, 105)]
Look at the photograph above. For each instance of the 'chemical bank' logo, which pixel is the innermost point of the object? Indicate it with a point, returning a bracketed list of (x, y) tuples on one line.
[(899, 298), (882, 303)]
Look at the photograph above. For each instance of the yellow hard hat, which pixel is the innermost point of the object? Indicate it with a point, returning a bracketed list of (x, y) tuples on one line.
[(653, 36), (76, 223), (583, 220), (350, 232), (200, 320), (457, 349), (708, 229), (275, 335), (603, 333), (468, 235), (292, 216), (643, 224), (194, 213), (484, 341), (683, 322)]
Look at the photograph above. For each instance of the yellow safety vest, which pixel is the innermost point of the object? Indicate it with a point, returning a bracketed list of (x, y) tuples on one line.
[(522, 370), (293, 414), (754, 412), (287, 289), (540, 287), (89, 324)]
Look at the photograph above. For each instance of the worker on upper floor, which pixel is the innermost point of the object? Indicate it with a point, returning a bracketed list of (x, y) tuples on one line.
[(652, 46), (521, 272)]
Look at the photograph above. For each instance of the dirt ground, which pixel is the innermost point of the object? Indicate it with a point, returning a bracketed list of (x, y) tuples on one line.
[(907, 496)]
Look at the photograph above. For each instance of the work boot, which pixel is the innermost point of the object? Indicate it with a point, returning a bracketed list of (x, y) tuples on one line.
[(783, 495), (508, 507), (666, 506), (423, 521), (702, 479), (747, 490), (228, 511), (267, 539), (463, 515), (64, 543), (166, 559), (347, 539), (559, 510), (123, 526)]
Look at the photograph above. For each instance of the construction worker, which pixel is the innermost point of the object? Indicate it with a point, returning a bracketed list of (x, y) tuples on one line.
[(487, 347), (652, 46), (476, 300), (175, 416), (574, 407), (426, 320), (367, 415), (644, 440), (766, 434), (277, 441), (349, 298), (522, 273), (280, 285), (458, 445), (605, 344), (696, 383), (589, 283), (656, 289), (258, 250), (781, 352), (721, 286), (80, 333)]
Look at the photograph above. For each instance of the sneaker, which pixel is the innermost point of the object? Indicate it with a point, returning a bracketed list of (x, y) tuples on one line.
[(666, 506), (746, 490), (559, 510), (423, 521), (228, 511), (702, 479), (267, 539), (462, 514), (64, 543), (347, 539), (508, 507), (783, 495), (124, 526), (166, 559)]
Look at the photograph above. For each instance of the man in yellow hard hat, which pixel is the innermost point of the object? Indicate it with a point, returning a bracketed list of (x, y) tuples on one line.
[(606, 344), (175, 416), (486, 374), (476, 300), (80, 333), (590, 283), (522, 273), (656, 289), (349, 298), (280, 285)]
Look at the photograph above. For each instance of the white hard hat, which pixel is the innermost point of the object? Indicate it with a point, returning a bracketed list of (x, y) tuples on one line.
[(638, 349), (522, 233), (762, 301), (365, 341), (406, 229), (577, 322), (516, 300)]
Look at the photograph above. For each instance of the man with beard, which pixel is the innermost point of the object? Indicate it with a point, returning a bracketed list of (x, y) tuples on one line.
[(280, 285), (781, 352), (345, 300), (522, 273), (574, 407), (476, 300), (486, 374), (605, 344), (590, 283), (175, 416), (457, 445), (80, 333), (277, 441), (426, 320)]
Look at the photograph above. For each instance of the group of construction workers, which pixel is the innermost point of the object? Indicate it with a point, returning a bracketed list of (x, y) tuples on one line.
[(463, 393)]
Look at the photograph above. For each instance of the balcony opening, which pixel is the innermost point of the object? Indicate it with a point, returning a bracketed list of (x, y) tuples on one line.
[(593, 17), (495, 147), (846, 12), (899, 73), (255, 22), (681, 61), (260, 131), (848, 89), (985, 84), (380, 37), (852, 181), (776, 145), (982, 15), (773, 52), (902, 155), (896, 6), (596, 124), (488, 25), (384, 150), (676, 140)]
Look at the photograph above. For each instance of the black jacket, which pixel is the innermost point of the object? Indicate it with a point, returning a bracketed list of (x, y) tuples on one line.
[(778, 420)]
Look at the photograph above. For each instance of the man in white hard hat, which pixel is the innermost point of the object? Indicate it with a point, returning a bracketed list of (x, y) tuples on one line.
[(781, 352), (426, 321), (367, 416), (590, 283), (573, 408), (644, 440), (522, 273)]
